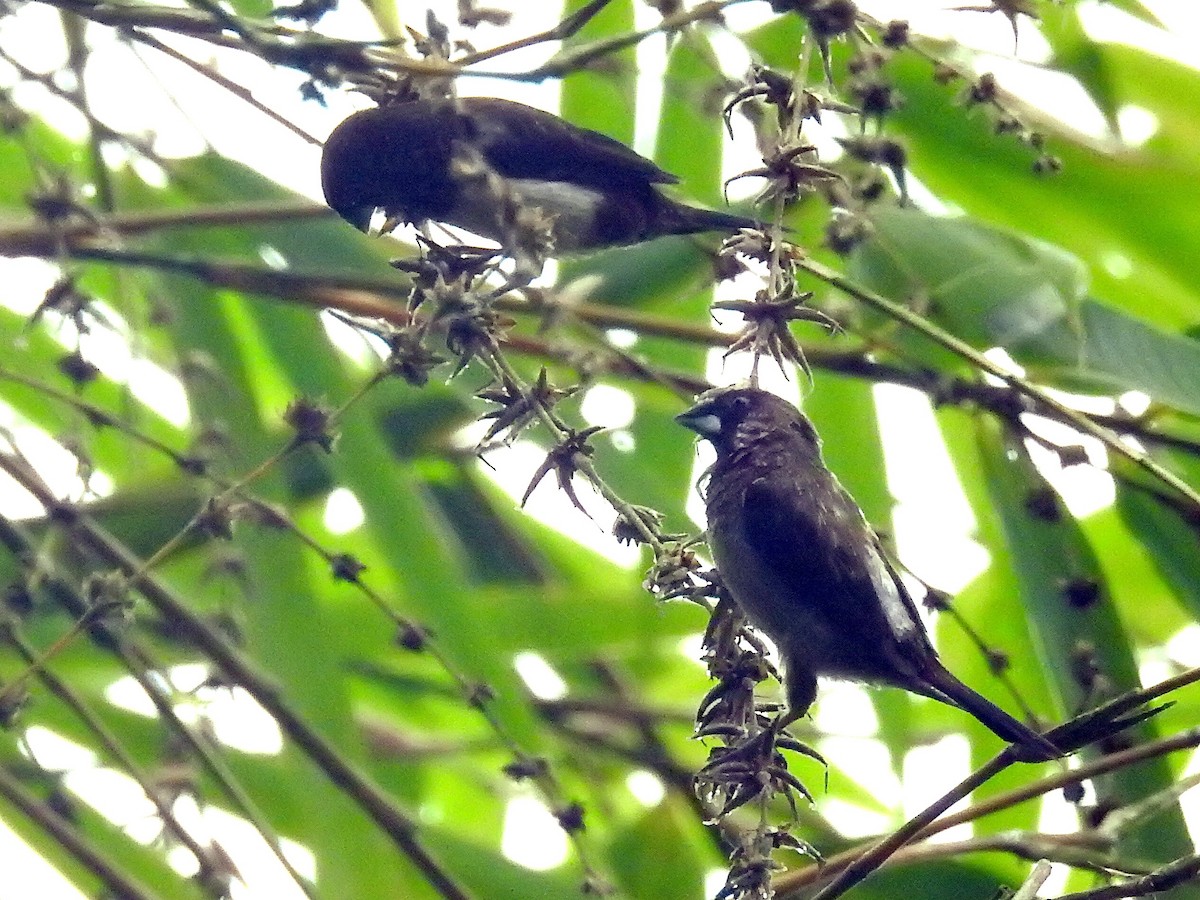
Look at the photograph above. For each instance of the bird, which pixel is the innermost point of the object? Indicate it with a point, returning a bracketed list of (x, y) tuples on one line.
[(798, 557), (412, 160)]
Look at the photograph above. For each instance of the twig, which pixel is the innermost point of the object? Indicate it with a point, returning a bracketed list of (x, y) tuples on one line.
[(552, 790), (365, 296), (1039, 396), (1186, 740), (1028, 890), (372, 297), (68, 837), (396, 823), (868, 862), (577, 58), (1069, 734), (139, 664), (94, 124), (242, 93), (1181, 871), (112, 744), (568, 27)]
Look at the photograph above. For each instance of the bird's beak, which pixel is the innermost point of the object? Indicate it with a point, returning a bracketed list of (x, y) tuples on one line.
[(362, 218), (358, 216), (699, 420)]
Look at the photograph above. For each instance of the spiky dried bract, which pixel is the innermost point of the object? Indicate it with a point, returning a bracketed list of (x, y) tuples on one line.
[(518, 408), (766, 332), (788, 174), (310, 420), (1010, 9), (678, 574), (634, 532), (409, 358), (562, 461)]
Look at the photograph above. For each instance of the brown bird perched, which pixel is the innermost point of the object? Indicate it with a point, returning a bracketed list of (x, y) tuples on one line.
[(800, 560), (407, 159)]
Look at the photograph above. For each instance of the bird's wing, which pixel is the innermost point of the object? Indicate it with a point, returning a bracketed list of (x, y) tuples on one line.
[(801, 534), (505, 130), (820, 551)]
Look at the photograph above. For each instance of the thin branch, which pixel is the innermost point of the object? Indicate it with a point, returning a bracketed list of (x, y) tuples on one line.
[(552, 790), (1076, 850), (1187, 740), (1120, 711), (374, 297), (118, 883), (174, 19), (568, 27), (317, 54), (1181, 871), (578, 58), (1110, 762), (77, 58), (242, 93), (868, 862), (138, 663), (116, 750), (95, 125), (38, 239), (312, 288), (396, 823), (1037, 877), (1044, 401), (294, 48)]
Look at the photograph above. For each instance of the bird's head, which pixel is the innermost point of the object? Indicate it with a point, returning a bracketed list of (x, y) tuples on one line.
[(736, 418), (391, 157)]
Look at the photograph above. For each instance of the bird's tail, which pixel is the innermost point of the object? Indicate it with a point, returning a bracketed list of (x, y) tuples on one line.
[(987, 712), (683, 219)]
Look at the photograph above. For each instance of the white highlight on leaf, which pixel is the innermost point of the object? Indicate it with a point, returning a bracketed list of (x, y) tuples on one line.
[(608, 406), (531, 836), (1136, 124), (539, 676), (646, 787), (343, 512)]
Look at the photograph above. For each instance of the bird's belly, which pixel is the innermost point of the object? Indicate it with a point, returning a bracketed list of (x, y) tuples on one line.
[(570, 209), (801, 634), (854, 644)]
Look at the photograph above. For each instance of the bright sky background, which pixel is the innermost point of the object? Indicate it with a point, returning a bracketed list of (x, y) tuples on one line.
[(925, 525)]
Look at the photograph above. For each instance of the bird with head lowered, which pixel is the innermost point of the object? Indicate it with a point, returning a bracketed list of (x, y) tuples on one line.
[(408, 159), (798, 557)]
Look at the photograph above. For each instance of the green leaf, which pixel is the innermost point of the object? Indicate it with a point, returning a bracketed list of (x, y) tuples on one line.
[(1077, 54), (1171, 542), (650, 276), (1055, 564), (1114, 208), (658, 855), (603, 97), (997, 289), (843, 411), (690, 129)]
